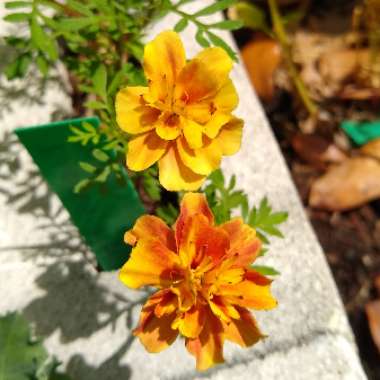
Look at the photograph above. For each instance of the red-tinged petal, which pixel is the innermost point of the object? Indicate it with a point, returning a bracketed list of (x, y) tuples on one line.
[(151, 263), (164, 58), (174, 175), (156, 334), (223, 310), (133, 115), (191, 322), (150, 226), (203, 160), (229, 137), (167, 305), (248, 294), (244, 243), (144, 150), (186, 296), (208, 347), (243, 330), (191, 204), (257, 278)]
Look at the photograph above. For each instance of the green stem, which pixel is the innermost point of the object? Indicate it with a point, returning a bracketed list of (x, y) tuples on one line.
[(283, 40)]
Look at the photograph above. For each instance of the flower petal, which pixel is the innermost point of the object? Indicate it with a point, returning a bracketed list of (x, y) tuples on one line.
[(174, 175), (208, 347), (132, 114), (144, 150), (203, 76), (167, 305), (150, 225), (213, 126), (192, 204), (191, 322), (193, 133), (229, 138), (223, 310), (156, 334), (150, 263), (227, 99), (243, 330), (164, 58), (244, 243), (203, 160), (249, 294)]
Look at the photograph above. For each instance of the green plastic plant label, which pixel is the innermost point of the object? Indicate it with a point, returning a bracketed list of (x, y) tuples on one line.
[(101, 217), (362, 132)]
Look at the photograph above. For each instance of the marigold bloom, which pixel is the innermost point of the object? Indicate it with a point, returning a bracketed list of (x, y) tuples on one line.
[(204, 278), (183, 118)]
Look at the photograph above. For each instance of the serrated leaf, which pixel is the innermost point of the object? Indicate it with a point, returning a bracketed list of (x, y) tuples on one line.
[(201, 39), (100, 81), (217, 178), (17, 17), (216, 7), (265, 270), (217, 41), (100, 155), (228, 25), (17, 4), (181, 25), (42, 40), (87, 167), (20, 356)]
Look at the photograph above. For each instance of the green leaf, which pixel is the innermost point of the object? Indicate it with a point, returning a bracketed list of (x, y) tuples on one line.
[(102, 177), (217, 178), (18, 17), (81, 185), (95, 105), (252, 16), (100, 155), (80, 8), (216, 7), (42, 65), (181, 25), (76, 23), (151, 184), (217, 41), (265, 270), (17, 4), (87, 167), (100, 81), (20, 355), (43, 41), (200, 38), (228, 25)]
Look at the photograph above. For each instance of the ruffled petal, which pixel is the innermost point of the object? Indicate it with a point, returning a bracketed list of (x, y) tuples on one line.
[(155, 333), (133, 115), (222, 309), (191, 322), (227, 99), (174, 175), (251, 293), (203, 76), (208, 347), (244, 243), (144, 150), (213, 126), (150, 225), (229, 138), (243, 330), (150, 263), (164, 58), (203, 160), (193, 133)]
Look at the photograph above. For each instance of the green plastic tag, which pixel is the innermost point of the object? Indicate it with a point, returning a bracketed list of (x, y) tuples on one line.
[(362, 132), (102, 219)]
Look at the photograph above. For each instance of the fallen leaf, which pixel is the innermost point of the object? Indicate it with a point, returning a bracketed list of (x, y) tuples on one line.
[(373, 314), (372, 149), (316, 150), (353, 183), (262, 57)]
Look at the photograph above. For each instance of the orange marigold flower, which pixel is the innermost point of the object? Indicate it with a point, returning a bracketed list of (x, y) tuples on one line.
[(183, 118), (205, 281)]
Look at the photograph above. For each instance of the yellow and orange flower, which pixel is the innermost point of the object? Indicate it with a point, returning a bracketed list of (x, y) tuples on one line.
[(183, 119), (205, 281)]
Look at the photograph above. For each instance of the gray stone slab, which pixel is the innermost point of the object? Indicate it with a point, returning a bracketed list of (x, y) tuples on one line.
[(86, 317)]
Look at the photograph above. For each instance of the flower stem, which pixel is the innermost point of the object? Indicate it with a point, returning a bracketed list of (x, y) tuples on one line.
[(283, 40)]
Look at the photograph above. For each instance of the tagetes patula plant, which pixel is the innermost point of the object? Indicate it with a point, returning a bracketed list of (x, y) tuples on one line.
[(183, 120), (205, 281)]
